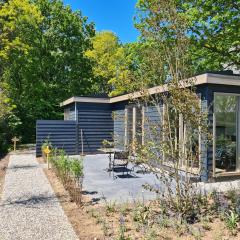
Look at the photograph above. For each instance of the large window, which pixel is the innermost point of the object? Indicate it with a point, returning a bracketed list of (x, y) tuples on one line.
[(226, 129)]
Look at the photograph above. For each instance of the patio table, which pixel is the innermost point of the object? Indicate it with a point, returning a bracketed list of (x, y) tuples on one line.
[(110, 152)]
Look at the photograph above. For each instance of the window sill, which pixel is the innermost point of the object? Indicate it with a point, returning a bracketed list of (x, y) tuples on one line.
[(227, 174)]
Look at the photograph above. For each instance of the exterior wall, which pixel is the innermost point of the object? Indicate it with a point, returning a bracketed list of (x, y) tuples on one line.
[(69, 112), (152, 116), (61, 134), (206, 148), (208, 95), (119, 128), (95, 123)]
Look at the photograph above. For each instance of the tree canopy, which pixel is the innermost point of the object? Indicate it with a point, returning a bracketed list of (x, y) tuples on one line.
[(42, 57), (212, 28), (109, 65)]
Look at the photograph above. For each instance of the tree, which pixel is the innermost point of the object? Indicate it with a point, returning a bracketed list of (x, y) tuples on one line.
[(110, 67), (5, 102), (42, 58), (8, 121), (214, 31), (212, 27), (175, 120)]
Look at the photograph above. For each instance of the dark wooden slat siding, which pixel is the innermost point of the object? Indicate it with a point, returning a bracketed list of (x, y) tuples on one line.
[(152, 122), (62, 135), (96, 122), (119, 128)]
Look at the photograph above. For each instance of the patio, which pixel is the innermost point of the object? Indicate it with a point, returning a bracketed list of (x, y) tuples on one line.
[(99, 184)]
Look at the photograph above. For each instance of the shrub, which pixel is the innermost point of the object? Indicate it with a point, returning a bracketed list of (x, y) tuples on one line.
[(70, 172)]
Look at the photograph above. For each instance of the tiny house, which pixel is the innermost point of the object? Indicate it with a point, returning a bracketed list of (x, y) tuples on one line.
[(99, 118)]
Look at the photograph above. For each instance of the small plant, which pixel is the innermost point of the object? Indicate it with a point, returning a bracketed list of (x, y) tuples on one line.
[(110, 207), (105, 228), (141, 213), (231, 220), (46, 143), (151, 235), (181, 227), (196, 233), (70, 172), (206, 226), (233, 200), (93, 213), (122, 229), (164, 222), (124, 209), (76, 167)]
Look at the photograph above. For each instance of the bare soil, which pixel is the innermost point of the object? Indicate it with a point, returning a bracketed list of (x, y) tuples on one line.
[(3, 168)]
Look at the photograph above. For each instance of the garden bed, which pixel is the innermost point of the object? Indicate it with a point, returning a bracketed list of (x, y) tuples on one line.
[(145, 220), (84, 226)]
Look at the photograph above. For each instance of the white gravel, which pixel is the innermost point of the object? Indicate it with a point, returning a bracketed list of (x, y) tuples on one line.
[(29, 209)]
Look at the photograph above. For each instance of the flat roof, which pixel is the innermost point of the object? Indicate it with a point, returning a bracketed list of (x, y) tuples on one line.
[(206, 78)]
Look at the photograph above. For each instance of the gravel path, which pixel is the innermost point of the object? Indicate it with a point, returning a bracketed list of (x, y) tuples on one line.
[(29, 209)]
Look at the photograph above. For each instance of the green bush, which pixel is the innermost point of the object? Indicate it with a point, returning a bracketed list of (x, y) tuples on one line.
[(69, 170), (76, 168)]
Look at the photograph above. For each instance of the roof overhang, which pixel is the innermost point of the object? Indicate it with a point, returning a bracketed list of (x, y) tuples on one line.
[(84, 100), (207, 78)]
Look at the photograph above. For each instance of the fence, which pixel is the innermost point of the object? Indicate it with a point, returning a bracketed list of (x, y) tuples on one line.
[(61, 134)]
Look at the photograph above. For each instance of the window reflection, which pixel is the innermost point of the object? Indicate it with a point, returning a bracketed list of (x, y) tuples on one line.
[(226, 132)]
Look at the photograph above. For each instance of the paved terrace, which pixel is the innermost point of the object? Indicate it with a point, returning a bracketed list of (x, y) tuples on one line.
[(99, 184)]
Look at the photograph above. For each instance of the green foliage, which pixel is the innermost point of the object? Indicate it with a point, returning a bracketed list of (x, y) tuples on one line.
[(76, 168), (42, 46), (8, 120), (110, 206), (110, 68), (211, 28), (6, 105), (214, 31), (70, 172), (122, 229), (231, 220), (141, 214)]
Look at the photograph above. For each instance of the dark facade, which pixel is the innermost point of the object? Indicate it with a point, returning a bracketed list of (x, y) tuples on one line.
[(61, 134), (95, 124), (97, 119)]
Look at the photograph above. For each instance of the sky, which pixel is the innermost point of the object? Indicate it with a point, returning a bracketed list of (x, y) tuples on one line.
[(114, 15)]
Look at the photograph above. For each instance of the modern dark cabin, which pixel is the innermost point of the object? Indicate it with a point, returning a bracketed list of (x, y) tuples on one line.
[(93, 121)]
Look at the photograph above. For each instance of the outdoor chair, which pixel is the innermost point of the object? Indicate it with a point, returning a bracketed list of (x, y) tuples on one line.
[(120, 162)]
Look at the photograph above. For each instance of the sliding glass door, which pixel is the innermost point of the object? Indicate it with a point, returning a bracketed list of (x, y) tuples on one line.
[(226, 118)]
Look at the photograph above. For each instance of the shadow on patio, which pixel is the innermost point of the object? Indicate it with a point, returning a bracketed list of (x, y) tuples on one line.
[(99, 184)]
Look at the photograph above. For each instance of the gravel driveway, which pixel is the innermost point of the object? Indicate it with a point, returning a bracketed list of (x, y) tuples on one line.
[(29, 208)]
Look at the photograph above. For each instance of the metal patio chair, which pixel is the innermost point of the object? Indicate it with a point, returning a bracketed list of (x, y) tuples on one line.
[(120, 162)]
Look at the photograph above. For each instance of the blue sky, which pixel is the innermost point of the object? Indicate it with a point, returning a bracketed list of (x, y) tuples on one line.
[(114, 15)]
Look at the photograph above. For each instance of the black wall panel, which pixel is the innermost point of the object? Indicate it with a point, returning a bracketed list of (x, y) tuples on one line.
[(95, 123), (62, 135)]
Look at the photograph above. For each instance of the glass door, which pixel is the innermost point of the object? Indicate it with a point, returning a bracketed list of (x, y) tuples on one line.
[(226, 129)]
